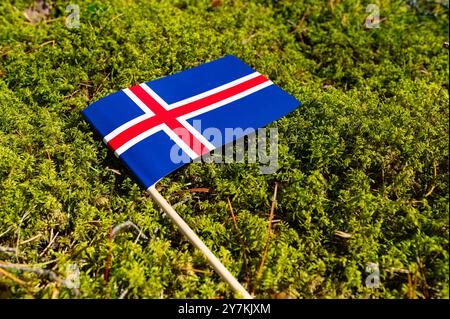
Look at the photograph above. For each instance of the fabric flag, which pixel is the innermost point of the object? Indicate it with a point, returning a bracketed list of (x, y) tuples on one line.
[(145, 123)]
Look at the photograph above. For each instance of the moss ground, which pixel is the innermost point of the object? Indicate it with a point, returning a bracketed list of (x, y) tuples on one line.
[(366, 154)]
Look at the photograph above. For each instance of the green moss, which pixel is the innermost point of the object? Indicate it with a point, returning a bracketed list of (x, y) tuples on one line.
[(366, 153)]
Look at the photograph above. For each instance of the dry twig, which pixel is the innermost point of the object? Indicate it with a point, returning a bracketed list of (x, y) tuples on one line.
[(38, 271), (342, 234), (30, 239), (52, 240), (7, 250), (125, 226)]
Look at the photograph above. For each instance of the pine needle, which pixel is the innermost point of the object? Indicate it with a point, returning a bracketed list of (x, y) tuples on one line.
[(269, 232), (241, 241)]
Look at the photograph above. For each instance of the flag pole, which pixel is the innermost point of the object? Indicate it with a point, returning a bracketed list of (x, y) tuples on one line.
[(197, 242)]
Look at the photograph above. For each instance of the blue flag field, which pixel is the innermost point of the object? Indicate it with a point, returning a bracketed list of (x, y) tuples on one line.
[(143, 123)]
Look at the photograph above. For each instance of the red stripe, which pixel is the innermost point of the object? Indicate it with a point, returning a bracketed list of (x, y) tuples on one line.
[(133, 131), (169, 117), (148, 100), (217, 97)]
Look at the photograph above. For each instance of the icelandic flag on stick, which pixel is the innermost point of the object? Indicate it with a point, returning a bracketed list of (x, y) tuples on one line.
[(143, 123)]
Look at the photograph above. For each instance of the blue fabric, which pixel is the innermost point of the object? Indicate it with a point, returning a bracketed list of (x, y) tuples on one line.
[(253, 111), (199, 79), (150, 159), (110, 112)]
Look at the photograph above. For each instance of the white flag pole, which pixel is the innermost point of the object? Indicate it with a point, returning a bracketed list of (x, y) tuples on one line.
[(197, 242)]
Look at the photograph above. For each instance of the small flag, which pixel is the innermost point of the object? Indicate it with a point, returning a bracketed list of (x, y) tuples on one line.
[(146, 124)]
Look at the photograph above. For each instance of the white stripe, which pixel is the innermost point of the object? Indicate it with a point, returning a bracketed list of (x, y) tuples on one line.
[(180, 142), (226, 101), (126, 126), (154, 95), (197, 134), (138, 101), (213, 91), (137, 139)]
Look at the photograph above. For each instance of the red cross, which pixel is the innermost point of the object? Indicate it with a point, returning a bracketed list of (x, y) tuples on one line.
[(170, 116)]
